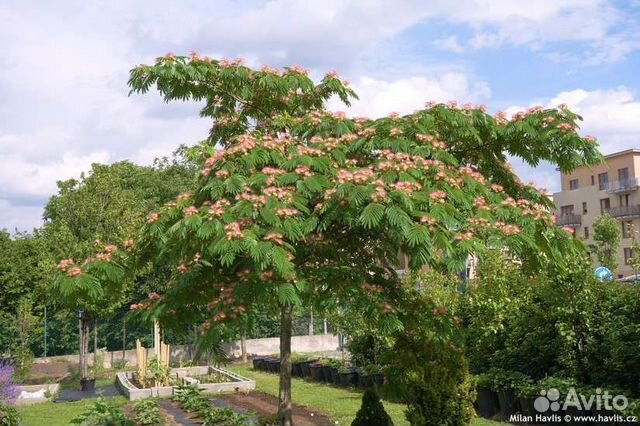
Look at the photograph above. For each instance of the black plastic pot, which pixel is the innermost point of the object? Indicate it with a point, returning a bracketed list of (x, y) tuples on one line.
[(274, 365), (487, 403), (364, 380), (304, 367), (348, 378), (316, 372), (508, 402), (87, 385), (256, 363), (526, 406), (378, 379), (296, 371), (335, 377), (326, 373)]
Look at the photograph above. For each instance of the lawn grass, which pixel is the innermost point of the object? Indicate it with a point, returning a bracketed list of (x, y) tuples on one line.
[(340, 404), (58, 414)]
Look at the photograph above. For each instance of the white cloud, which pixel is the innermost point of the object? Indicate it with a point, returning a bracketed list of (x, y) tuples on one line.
[(532, 24), (379, 97), (20, 218), (24, 179), (609, 115)]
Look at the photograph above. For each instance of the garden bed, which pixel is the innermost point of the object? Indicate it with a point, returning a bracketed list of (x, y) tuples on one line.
[(266, 405), (36, 394), (232, 382)]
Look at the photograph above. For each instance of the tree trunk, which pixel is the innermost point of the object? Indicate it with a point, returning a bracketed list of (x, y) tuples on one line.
[(83, 329), (284, 406), (81, 350), (124, 340), (95, 345), (243, 344)]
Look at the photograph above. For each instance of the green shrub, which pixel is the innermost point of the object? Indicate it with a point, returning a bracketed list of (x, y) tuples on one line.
[(119, 364), (429, 370), (372, 411), (8, 416), (147, 412), (101, 413)]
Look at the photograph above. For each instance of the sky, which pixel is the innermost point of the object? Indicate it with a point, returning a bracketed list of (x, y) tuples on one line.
[(64, 65)]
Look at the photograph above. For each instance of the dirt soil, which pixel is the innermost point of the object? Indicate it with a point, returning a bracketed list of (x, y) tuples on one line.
[(266, 405), (48, 372)]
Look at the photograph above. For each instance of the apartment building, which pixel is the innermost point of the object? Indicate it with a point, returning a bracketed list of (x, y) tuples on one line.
[(612, 187)]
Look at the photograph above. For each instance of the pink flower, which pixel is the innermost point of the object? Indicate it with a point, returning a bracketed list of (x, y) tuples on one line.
[(74, 271), (395, 132), (153, 217), (190, 211), (233, 231), (64, 264), (438, 196), (275, 237), (297, 69), (154, 296), (268, 70)]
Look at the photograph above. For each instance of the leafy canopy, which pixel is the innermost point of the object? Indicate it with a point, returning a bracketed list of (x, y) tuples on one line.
[(304, 204)]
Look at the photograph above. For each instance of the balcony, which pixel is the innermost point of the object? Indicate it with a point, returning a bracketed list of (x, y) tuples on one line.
[(569, 220), (626, 185), (624, 212)]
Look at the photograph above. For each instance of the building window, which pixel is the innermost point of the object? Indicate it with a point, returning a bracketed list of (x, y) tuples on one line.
[(627, 228), (605, 204), (566, 210), (584, 208), (623, 175), (586, 232), (574, 184), (593, 180), (628, 254), (624, 200), (603, 181)]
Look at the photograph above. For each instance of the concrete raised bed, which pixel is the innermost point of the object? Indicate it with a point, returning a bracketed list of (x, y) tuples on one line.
[(25, 390), (236, 383)]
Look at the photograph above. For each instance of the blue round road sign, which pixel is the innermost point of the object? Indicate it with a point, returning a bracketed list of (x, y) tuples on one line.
[(603, 274)]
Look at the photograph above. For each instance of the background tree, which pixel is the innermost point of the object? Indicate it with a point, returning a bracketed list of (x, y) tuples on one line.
[(309, 207), (606, 234), (101, 209)]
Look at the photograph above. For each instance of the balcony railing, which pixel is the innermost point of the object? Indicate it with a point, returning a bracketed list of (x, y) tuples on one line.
[(569, 220), (624, 211), (622, 185)]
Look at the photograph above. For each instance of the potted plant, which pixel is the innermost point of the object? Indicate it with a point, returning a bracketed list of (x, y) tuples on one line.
[(505, 384), (296, 364), (487, 399), (334, 365), (527, 392), (348, 376), (257, 363), (316, 371), (304, 367), (375, 374), (364, 380), (327, 366)]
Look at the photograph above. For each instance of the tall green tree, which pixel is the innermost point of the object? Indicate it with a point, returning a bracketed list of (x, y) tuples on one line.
[(607, 234), (303, 206), (96, 213)]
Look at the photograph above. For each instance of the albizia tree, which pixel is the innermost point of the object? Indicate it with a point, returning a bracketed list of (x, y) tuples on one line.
[(299, 205)]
